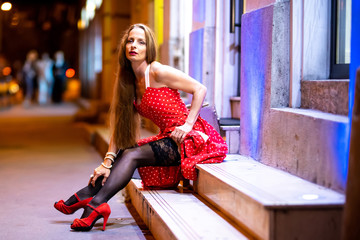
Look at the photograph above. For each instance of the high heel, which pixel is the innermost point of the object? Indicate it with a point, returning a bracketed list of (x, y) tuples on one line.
[(60, 205), (86, 224)]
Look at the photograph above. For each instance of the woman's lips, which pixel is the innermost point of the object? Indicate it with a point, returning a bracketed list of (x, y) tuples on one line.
[(132, 53)]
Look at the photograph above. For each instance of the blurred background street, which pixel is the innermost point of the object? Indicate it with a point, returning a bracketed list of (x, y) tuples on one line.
[(45, 157)]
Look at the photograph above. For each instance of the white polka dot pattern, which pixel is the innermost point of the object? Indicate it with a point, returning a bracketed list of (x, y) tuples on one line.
[(166, 109)]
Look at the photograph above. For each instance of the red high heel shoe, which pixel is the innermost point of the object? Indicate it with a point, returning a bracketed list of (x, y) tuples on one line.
[(60, 205), (86, 224)]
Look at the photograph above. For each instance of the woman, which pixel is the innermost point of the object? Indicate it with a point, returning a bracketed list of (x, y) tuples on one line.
[(30, 78), (147, 87), (45, 78), (59, 73)]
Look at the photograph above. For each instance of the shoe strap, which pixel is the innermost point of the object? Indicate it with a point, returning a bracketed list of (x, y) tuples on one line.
[(92, 208), (77, 197)]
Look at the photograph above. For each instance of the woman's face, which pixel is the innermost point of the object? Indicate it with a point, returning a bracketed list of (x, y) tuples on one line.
[(136, 45)]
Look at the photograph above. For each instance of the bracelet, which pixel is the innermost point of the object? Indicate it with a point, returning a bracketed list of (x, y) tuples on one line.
[(108, 167), (110, 158), (111, 153)]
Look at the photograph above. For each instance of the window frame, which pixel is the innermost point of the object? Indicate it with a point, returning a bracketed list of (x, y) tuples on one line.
[(234, 14), (337, 71)]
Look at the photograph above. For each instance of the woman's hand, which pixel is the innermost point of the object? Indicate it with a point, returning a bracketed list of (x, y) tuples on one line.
[(179, 133), (98, 172)]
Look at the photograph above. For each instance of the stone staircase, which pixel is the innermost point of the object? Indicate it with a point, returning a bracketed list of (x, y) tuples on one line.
[(237, 199), (269, 203), (181, 214)]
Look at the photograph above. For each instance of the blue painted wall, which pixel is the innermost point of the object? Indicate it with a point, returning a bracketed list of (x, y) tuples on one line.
[(199, 8), (256, 57), (196, 54), (355, 59), (355, 50), (197, 40)]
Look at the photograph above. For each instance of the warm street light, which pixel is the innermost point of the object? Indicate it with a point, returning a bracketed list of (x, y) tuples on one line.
[(6, 6)]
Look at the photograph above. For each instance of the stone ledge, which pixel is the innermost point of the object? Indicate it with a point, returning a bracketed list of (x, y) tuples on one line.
[(315, 114), (330, 96), (269, 202), (307, 143)]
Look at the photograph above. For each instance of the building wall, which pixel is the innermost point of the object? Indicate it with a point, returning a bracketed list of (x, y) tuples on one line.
[(98, 49), (306, 143), (177, 27), (202, 39), (139, 11), (115, 20), (214, 51), (226, 59), (251, 5)]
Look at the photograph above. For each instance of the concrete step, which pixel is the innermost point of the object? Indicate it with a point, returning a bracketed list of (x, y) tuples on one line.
[(171, 214), (269, 203)]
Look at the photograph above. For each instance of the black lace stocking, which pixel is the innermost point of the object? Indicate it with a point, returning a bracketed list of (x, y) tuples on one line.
[(166, 152), (160, 153)]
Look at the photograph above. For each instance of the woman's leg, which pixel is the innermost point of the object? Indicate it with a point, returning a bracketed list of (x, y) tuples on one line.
[(86, 192), (89, 190), (124, 167), (121, 174)]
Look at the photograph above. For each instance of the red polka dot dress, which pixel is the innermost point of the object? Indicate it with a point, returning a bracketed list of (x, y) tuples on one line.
[(167, 110)]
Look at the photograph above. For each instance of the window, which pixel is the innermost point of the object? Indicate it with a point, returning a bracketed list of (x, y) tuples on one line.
[(236, 11), (340, 39)]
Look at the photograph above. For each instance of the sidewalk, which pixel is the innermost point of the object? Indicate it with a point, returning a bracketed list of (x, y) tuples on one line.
[(44, 157)]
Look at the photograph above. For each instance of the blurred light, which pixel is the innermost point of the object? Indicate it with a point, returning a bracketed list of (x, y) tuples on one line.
[(6, 6), (90, 9), (73, 85), (84, 19), (46, 26), (98, 3), (81, 24), (90, 5), (310, 196), (15, 19), (70, 73), (73, 89), (88, 13), (3, 87), (14, 87), (6, 71)]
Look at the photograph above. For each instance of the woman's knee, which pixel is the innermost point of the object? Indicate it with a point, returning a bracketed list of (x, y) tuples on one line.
[(131, 155)]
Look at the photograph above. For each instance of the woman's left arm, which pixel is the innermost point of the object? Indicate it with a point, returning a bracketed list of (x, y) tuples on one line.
[(176, 79)]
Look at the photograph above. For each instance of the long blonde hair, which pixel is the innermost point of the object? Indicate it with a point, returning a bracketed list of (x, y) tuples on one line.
[(124, 119)]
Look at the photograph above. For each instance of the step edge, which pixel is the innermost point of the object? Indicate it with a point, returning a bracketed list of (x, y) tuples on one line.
[(137, 187), (255, 193)]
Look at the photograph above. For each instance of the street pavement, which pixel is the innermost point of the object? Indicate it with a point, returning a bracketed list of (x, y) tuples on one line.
[(45, 157)]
